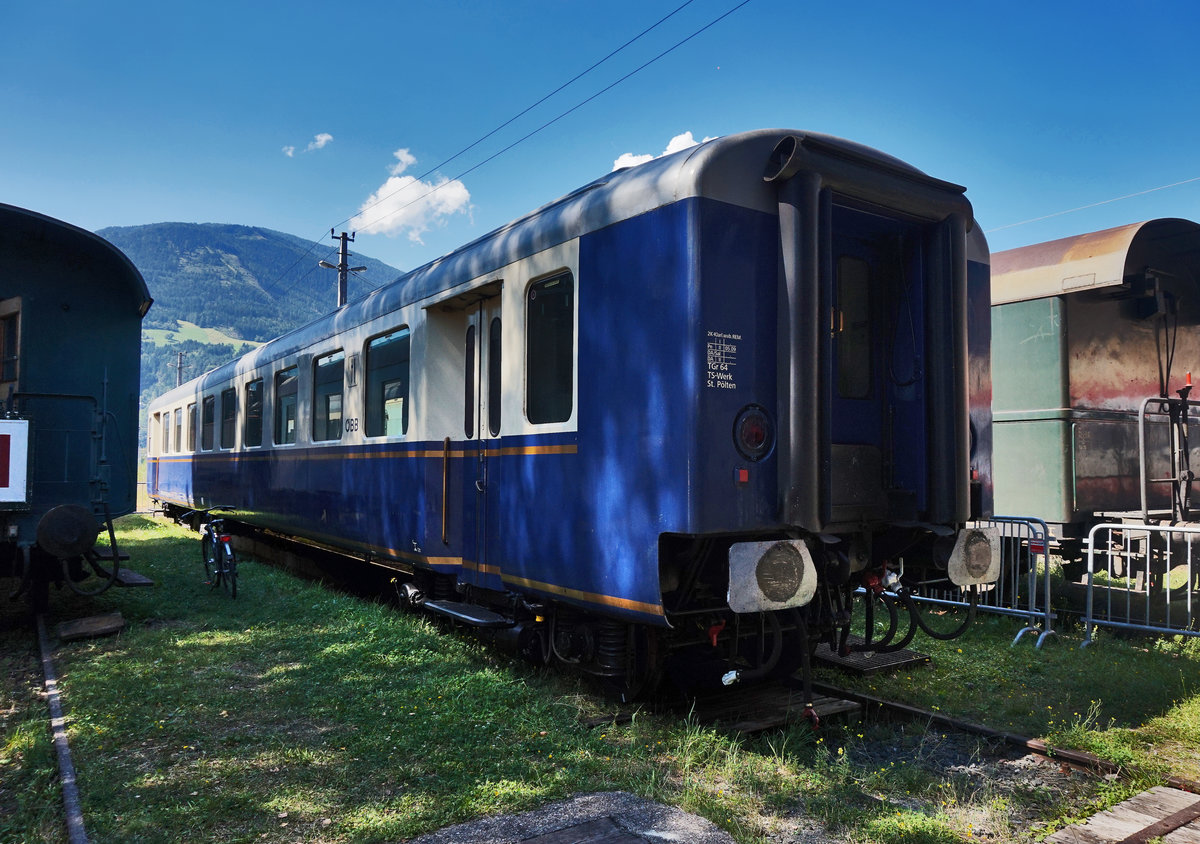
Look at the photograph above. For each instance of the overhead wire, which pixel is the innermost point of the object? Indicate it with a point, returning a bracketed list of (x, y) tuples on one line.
[(569, 111), (490, 133), (1093, 205), (529, 108)]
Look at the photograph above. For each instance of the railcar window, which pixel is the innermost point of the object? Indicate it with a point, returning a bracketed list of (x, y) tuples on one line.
[(494, 377), (387, 384), (328, 373), (178, 430), (9, 351), (160, 432), (191, 425), (228, 417), (208, 414), (285, 405), (252, 435), (549, 350), (469, 400), (852, 328)]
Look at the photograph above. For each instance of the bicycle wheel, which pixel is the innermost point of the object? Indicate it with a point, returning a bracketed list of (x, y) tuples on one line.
[(228, 562), (208, 555)]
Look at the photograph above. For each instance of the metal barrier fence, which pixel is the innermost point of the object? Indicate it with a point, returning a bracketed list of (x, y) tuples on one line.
[(1143, 578), (1023, 589)]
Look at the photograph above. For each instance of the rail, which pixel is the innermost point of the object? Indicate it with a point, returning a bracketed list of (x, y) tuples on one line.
[(1023, 588), (1143, 578)]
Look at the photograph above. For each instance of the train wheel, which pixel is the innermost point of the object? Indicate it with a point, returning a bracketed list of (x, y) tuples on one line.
[(643, 667)]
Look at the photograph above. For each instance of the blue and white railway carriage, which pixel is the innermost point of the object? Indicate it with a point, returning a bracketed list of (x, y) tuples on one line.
[(686, 398)]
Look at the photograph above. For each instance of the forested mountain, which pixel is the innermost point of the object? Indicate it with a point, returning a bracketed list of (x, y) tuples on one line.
[(249, 283), (219, 289)]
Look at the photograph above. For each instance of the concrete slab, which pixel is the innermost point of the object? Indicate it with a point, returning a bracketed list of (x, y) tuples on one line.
[(611, 817)]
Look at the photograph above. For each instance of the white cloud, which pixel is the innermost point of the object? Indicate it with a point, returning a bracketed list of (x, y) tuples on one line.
[(677, 143), (628, 159), (407, 205), (318, 142)]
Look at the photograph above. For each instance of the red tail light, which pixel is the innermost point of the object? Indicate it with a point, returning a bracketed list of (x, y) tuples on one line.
[(753, 433)]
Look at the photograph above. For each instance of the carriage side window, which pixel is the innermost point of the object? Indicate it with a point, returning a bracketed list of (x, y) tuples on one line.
[(10, 345), (285, 405), (852, 328), (228, 417), (494, 377), (208, 414), (469, 399), (252, 435), (328, 372), (387, 384), (191, 427), (178, 430), (549, 350)]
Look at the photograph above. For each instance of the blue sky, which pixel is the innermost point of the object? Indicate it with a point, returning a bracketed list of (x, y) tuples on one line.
[(295, 115)]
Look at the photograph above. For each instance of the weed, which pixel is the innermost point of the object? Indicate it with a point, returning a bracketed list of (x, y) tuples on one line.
[(297, 713)]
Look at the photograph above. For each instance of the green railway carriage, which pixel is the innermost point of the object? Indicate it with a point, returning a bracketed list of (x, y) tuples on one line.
[(71, 308), (1088, 333)]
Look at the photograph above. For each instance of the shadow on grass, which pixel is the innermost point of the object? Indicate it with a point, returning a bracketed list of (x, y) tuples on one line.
[(295, 707)]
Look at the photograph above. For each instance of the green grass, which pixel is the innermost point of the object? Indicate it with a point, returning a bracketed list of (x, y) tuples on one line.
[(191, 331), (296, 713)]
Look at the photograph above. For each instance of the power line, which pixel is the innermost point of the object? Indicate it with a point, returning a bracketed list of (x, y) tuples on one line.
[(569, 111), (525, 111), (520, 114), (1093, 205)]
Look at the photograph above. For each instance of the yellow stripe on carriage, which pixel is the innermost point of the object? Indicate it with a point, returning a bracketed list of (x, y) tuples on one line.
[(590, 597)]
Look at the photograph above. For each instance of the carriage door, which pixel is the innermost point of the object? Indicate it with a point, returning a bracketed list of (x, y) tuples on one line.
[(481, 424), (868, 270)]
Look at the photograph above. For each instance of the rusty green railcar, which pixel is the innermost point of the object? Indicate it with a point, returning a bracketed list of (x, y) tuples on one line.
[(1089, 333)]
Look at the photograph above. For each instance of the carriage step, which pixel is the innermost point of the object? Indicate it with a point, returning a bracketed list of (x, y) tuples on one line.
[(129, 577), (471, 614)]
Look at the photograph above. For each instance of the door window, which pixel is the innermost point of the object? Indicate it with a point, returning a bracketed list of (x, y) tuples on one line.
[(852, 328)]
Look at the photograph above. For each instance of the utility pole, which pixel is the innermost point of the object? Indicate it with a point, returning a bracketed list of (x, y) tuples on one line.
[(343, 265), (178, 366)]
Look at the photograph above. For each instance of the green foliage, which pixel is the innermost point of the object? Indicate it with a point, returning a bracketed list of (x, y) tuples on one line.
[(298, 713), (29, 796)]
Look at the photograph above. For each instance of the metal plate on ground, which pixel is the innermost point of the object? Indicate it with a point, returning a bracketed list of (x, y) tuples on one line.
[(869, 662), (604, 818), (763, 707), (602, 831)]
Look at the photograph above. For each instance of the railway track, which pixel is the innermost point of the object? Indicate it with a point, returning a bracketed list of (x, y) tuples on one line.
[(771, 706)]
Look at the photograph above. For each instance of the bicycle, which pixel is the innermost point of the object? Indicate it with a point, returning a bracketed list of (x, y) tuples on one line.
[(216, 553)]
